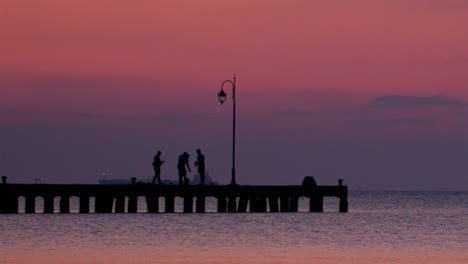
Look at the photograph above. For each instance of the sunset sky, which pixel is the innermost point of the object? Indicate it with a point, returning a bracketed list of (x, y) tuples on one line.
[(371, 91)]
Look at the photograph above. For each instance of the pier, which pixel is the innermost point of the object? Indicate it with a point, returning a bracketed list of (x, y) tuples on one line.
[(124, 198)]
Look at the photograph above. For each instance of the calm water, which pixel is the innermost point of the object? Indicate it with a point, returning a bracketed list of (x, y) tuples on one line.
[(382, 227)]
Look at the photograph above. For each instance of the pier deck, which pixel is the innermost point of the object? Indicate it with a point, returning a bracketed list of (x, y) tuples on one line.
[(112, 198)]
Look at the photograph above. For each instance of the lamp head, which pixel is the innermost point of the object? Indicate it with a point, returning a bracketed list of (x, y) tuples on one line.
[(222, 96)]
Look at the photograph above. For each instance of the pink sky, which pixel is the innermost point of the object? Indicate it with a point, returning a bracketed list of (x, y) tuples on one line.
[(144, 72)]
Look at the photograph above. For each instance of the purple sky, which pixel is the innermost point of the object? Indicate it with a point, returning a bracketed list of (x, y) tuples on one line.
[(374, 92)]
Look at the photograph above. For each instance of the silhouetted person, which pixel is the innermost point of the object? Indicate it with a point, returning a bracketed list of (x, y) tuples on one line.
[(182, 163), (157, 162), (200, 164)]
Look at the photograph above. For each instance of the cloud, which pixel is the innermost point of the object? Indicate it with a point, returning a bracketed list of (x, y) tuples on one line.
[(328, 113), (41, 114), (396, 101), (392, 122), (185, 117), (295, 112)]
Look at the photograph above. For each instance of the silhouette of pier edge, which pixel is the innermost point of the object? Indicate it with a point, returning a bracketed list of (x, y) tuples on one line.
[(230, 198)]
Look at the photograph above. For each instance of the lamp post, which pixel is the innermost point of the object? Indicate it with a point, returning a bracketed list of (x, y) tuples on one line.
[(222, 98)]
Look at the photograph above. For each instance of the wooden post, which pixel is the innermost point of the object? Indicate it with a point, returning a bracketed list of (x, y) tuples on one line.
[(200, 204), (232, 205), (152, 203), (30, 206), (120, 204), (8, 204), (294, 204), (104, 204), (316, 203), (49, 204), (65, 204), (84, 204), (132, 204), (169, 207), (273, 202), (188, 204), (262, 204), (343, 197), (343, 205), (253, 205), (242, 207), (222, 205), (284, 204)]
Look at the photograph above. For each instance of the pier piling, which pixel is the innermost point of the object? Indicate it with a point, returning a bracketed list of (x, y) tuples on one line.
[(243, 202), (169, 206), (152, 203), (132, 204), (232, 205), (120, 204), (103, 204), (222, 204), (316, 204), (284, 204), (65, 205), (293, 204), (200, 204), (30, 204), (84, 204), (273, 203), (188, 204), (49, 204)]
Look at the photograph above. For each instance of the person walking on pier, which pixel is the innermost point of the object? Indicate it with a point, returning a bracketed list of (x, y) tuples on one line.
[(200, 164), (182, 163), (157, 162)]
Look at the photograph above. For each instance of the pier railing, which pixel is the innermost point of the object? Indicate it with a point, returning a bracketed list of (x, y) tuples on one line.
[(116, 198)]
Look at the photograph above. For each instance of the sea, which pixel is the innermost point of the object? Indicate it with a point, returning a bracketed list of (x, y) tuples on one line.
[(380, 227)]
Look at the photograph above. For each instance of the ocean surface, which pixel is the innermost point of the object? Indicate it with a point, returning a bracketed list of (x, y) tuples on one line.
[(381, 227)]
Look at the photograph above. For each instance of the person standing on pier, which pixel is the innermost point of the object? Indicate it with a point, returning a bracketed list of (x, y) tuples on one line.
[(200, 163), (157, 162), (182, 163)]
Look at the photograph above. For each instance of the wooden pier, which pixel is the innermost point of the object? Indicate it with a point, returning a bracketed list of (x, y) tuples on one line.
[(116, 198)]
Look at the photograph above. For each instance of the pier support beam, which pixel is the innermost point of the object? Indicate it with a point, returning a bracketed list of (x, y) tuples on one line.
[(120, 204), (30, 204), (152, 203), (8, 204), (232, 205), (262, 204), (169, 206), (273, 203), (316, 203), (84, 204), (49, 204), (104, 204), (65, 204), (284, 204), (200, 204), (222, 204), (132, 204), (188, 204), (243, 202), (258, 204), (253, 205), (343, 205), (294, 204)]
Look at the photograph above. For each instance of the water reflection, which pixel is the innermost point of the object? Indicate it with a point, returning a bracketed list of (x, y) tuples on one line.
[(380, 228)]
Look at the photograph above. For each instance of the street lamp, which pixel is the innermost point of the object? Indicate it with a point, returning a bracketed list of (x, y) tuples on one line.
[(222, 98)]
